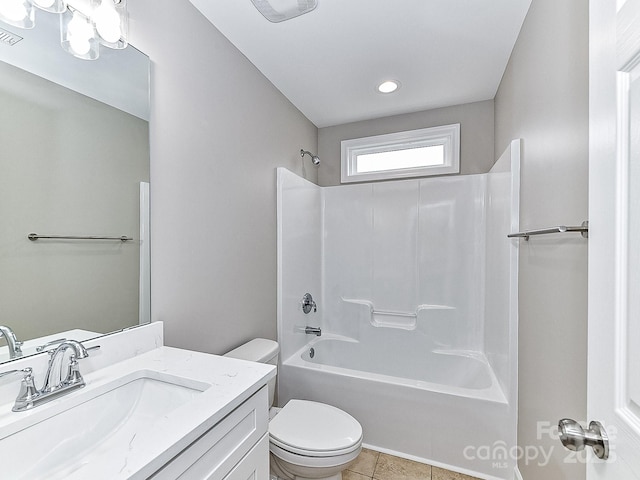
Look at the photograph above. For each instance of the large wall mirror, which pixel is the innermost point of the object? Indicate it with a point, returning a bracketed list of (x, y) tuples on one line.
[(74, 161)]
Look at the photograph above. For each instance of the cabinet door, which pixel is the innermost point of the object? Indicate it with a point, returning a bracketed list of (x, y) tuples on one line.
[(215, 453), (255, 465)]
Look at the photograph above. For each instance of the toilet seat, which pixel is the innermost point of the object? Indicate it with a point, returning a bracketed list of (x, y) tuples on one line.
[(313, 429)]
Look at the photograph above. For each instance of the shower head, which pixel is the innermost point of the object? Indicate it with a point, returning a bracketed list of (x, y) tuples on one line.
[(314, 158)]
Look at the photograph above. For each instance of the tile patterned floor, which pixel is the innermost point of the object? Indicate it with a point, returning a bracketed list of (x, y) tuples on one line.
[(372, 465)]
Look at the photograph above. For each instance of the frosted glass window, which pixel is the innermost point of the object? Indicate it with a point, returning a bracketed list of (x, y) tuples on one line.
[(398, 159), (415, 153)]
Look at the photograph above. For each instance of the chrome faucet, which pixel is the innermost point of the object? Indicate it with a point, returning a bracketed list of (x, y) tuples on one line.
[(42, 348), (57, 381), (53, 379), (314, 330), (12, 341)]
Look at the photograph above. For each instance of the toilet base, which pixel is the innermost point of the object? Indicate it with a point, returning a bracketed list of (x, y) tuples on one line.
[(283, 471)]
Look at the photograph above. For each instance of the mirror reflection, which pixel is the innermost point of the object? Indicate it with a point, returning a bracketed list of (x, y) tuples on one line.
[(71, 165)]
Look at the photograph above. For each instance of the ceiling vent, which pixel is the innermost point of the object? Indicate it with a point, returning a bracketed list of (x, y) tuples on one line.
[(9, 38), (281, 10)]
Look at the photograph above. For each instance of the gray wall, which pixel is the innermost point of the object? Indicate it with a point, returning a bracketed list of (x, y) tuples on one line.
[(543, 99), (70, 166), (476, 136), (218, 130)]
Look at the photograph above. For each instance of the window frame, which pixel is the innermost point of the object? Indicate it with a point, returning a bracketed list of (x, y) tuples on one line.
[(446, 135)]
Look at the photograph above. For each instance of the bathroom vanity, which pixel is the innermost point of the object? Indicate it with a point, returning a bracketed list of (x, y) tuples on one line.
[(147, 411)]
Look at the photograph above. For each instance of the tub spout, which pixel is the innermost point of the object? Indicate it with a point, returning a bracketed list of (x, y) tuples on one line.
[(314, 330)]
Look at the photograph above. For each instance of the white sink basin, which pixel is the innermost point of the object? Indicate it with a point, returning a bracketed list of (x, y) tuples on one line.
[(71, 433)]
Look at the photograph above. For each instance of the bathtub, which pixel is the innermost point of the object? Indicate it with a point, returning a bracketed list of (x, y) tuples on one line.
[(441, 407), (416, 284)]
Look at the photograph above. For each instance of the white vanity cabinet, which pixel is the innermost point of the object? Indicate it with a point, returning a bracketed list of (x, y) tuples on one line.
[(235, 448), (166, 413)]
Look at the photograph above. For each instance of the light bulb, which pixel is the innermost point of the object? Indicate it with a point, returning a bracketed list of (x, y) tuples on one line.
[(388, 87), (14, 10), (107, 21), (79, 45), (51, 6), (80, 33)]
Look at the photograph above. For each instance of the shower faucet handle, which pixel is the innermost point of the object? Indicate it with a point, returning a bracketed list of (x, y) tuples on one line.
[(308, 303)]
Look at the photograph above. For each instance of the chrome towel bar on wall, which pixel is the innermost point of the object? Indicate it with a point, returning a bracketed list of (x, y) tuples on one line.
[(583, 229), (34, 236)]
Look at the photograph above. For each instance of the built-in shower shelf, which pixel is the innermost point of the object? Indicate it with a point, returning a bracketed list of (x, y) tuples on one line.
[(395, 319), (405, 321)]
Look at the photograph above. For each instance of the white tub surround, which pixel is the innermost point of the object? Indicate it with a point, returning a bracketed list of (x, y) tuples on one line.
[(200, 396), (416, 287)]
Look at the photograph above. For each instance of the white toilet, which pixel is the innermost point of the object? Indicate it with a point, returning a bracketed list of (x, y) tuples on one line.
[(307, 440)]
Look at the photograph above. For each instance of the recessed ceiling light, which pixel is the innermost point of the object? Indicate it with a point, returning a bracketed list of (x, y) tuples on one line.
[(388, 86)]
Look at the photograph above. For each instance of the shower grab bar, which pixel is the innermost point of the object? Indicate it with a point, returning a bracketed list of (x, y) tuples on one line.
[(394, 314), (582, 229), (34, 236)]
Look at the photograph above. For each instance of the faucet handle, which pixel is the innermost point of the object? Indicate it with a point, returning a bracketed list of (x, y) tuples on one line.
[(308, 303), (73, 376), (26, 371), (28, 392)]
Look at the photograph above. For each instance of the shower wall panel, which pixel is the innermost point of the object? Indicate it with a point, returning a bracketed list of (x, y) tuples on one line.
[(409, 255), (501, 275), (299, 257)]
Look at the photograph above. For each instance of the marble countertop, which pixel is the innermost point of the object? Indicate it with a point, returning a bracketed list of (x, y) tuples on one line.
[(231, 382)]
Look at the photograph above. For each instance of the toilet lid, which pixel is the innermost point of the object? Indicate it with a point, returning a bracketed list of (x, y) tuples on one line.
[(312, 428)]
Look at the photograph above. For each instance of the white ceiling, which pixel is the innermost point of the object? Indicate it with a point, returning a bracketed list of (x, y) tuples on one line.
[(329, 61)]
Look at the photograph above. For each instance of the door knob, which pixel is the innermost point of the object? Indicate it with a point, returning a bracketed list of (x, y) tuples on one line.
[(575, 438)]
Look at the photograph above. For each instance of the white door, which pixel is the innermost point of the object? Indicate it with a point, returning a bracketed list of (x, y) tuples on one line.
[(614, 237)]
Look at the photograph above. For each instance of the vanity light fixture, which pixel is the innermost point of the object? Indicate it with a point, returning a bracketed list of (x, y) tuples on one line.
[(280, 10), (388, 86), (112, 22), (78, 35), (9, 38), (19, 13), (84, 24), (52, 6)]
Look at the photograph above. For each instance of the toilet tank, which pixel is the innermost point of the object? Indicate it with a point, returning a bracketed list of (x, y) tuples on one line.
[(259, 350)]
